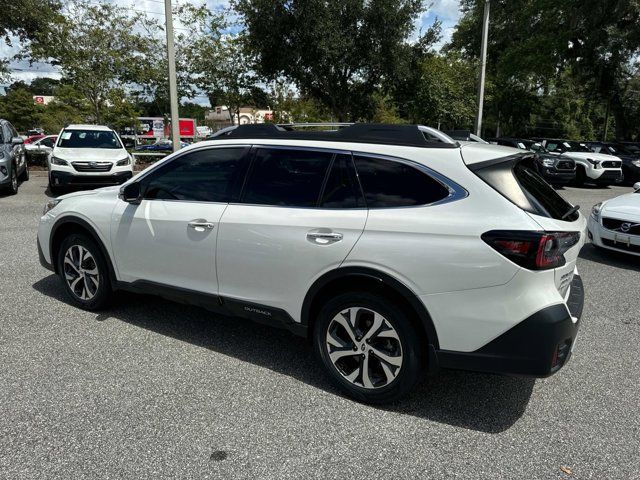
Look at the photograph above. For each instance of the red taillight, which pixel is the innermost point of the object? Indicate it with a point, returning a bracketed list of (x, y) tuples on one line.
[(532, 250)]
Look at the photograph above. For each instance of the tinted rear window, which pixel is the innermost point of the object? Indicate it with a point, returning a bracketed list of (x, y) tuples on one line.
[(388, 183), (518, 181)]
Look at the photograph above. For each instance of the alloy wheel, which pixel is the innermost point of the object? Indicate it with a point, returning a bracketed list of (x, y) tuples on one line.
[(81, 272), (364, 347)]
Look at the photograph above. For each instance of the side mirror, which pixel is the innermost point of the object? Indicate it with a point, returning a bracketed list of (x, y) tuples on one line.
[(17, 141), (636, 187), (131, 193)]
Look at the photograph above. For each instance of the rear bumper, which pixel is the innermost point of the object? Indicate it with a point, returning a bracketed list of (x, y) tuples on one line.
[(538, 346), (63, 179)]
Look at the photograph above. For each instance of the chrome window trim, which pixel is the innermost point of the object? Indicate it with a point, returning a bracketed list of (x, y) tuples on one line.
[(456, 192)]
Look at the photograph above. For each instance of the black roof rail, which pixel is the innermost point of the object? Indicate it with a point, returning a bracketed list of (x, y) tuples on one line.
[(403, 135)]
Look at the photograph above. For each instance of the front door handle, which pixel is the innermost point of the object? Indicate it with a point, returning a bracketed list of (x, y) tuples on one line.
[(323, 236), (201, 225)]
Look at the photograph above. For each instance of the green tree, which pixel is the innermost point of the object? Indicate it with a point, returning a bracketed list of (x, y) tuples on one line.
[(121, 111), (68, 107), (28, 20), (98, 47), (217, 63), (290, 107), (337, 51), (533, 42), (444, 93), (19, 108)]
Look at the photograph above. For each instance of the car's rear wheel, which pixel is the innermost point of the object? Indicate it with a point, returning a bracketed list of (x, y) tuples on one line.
[(368, 346), (84, 272)]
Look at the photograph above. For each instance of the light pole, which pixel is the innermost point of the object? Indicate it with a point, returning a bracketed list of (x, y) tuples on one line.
[(483, 65), (173, 84)]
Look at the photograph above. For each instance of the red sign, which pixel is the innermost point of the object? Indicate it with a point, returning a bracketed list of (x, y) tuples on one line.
[(155, 127), (39, 100)]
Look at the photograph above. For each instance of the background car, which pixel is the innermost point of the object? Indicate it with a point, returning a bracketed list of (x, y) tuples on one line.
[(591, 167), (557, 170), (33, 138), (38, 151), (630, 159), (464, 136), (88, 155), (13, 160), (162, 145), (615, 224)]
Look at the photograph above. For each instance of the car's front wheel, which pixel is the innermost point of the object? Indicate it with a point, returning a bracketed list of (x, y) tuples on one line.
[(368, 346), (24, 176), (12, 188), (84, 272)]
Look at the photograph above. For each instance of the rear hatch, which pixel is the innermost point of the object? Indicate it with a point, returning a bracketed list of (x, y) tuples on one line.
[(516, 178)]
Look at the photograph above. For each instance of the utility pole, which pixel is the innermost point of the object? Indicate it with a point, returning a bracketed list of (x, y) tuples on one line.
[(173, 83), (483, 65)]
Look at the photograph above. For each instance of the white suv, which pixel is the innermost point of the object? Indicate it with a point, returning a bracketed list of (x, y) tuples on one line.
[(391, 248), (88, 155)]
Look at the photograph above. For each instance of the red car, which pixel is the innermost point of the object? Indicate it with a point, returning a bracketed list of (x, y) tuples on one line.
[(33, 138)]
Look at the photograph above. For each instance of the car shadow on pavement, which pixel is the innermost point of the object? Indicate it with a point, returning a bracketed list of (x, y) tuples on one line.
[(610, 258), (487, 403)]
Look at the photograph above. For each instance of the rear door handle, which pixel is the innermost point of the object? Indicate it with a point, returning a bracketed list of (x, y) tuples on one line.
[(322, 237), (201, 225)]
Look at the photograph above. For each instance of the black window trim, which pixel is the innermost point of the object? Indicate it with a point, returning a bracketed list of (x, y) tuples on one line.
[(334, 151), (166, 161), (456, 192)]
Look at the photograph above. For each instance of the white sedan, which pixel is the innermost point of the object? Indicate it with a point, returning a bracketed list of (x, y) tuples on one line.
[(615, 224)]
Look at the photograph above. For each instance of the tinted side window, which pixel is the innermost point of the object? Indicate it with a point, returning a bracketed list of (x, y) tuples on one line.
[(205, 176), (393, 184), (285, 177), (342, 189), (47, 142)]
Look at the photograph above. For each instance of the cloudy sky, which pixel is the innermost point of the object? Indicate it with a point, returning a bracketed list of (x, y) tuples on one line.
[(445, 10)]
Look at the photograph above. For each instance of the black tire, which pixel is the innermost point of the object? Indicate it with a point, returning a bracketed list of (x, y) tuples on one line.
[(24, 176), (12, 188), (581, 176), (382, 390), (101, 294)]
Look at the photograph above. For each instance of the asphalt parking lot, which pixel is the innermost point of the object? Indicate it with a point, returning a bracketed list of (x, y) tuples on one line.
[(152, 389)]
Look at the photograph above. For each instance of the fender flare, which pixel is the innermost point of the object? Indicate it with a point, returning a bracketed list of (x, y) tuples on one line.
[(385, 280), (71, 219)]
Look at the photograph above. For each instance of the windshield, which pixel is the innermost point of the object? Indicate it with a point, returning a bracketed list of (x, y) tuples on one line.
[(89, 139), (576, 147), (617, 148)]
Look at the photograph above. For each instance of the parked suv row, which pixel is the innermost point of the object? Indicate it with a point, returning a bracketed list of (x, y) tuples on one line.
[(393, 249), (591, 167), (13, 160)]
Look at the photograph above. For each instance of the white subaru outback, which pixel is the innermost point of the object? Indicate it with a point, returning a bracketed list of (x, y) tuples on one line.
[(88, 155), (395, 251)]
